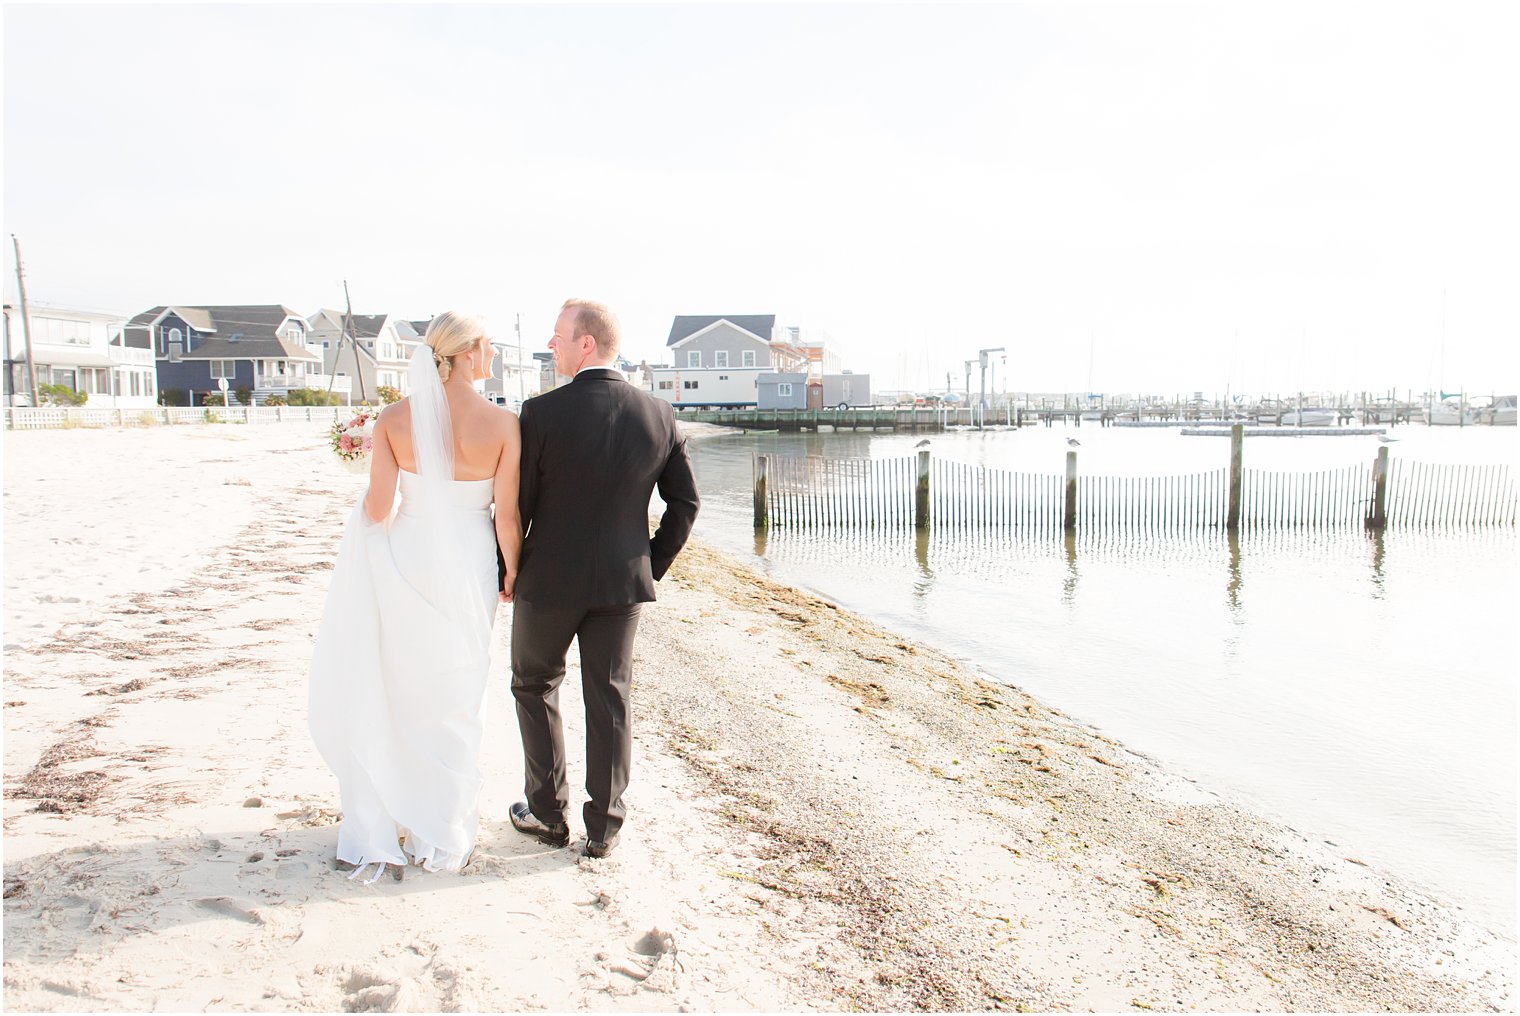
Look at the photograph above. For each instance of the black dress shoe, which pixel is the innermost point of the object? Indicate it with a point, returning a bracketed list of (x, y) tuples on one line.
[(524, 821), (601, 848)]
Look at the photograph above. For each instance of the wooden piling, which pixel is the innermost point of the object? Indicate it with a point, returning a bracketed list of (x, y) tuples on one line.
[(1069, 522), (1237, 458), (921, 498), (1379, 517), (762, 482)]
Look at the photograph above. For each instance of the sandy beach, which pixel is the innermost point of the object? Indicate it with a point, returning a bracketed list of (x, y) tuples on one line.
[(823, 814)]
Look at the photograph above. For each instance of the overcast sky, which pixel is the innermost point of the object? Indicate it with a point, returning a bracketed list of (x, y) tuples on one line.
[(1136, 197)]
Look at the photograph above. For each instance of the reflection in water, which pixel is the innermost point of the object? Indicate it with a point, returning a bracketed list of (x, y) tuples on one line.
[(762, 540), (1375, 536), (924, 580), (1069, 583), (1232, 591)]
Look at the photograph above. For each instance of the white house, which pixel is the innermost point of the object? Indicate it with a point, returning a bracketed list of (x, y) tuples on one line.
[(720, 360), (385, 343), (716, 359), (82, 350)]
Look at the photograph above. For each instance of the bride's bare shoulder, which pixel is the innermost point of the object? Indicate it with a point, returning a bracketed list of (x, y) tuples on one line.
[(396, 414)]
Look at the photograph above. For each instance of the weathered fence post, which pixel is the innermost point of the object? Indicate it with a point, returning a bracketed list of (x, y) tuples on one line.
[(921, 500), (762, 481), (1237, 477), (1378, 518), (1069, 522)]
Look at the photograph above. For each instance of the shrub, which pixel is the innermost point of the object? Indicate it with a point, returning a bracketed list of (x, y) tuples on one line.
[(313, 397), (387, 394), (212, 417), (275, 400), (211, 399), (60, 395), (173, 397), (243, 395)]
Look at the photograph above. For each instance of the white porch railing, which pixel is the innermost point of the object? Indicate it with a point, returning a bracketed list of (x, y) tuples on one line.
[(283, 383), (130, 356)]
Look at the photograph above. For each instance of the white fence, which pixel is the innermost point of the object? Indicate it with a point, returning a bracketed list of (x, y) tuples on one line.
[(57, 418)]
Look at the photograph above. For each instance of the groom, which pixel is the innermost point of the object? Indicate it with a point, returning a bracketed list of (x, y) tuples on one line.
[(592, 451)]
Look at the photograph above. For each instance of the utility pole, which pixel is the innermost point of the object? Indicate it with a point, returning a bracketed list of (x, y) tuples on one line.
[(348, 329), (26, 324), (982, 357), (348, 336), (521, 396)]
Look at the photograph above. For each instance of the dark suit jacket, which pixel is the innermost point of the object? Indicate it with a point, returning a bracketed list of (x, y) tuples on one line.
[(592, 452)]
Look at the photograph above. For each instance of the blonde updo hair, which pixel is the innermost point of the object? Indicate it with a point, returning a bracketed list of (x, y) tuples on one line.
[(450, 334)]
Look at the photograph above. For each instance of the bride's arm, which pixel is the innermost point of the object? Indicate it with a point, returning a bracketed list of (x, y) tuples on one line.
[(509, 530), (381, 496)]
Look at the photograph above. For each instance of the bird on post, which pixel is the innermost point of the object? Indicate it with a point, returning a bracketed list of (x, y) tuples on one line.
[(1072, 442), (922, 444), (1385, 439)]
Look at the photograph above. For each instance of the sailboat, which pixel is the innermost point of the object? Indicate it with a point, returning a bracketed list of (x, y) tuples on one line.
[(1091, 413), (1452, 410)]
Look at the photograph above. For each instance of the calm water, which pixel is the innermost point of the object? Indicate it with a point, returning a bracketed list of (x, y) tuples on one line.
[(1361, 690)]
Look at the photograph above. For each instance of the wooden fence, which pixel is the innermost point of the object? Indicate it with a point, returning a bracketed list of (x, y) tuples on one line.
[(922, 492), (53, 418)]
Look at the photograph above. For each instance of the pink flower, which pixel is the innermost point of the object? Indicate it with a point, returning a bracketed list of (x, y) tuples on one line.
[(346, 443), (369, 444)]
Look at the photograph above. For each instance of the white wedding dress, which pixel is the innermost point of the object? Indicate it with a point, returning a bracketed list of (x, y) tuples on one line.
[(398, 676)]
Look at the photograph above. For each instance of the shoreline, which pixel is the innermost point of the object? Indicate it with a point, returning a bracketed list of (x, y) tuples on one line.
[(823, 814)]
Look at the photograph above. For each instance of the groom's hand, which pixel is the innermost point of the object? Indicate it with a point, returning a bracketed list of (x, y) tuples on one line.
[(508, 586)]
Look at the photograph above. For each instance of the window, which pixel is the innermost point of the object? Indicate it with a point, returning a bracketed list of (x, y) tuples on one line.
[(749, 358), (694, 358), (136, 383), (722, 377), (720, 358), (666, 386), (784, 389), (176, 344), (223, 368), (293, 334), (689, 385), (152, 382)]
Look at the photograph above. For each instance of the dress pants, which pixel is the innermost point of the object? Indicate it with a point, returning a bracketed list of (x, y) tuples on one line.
[(540, 639)]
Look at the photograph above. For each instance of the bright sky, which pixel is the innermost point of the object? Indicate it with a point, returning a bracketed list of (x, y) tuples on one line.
[(1129, 197)]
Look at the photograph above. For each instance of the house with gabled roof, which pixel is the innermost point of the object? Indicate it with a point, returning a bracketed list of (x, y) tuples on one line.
[(261, 347), (717, 359), (385, 343)]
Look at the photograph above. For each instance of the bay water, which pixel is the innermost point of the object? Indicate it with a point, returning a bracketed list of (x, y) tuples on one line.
[(1359, 689)]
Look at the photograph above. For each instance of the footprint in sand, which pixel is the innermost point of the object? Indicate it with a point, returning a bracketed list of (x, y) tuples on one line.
[(224, 907)]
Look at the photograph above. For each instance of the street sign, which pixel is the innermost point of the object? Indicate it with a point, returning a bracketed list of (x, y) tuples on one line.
[(221, 383)]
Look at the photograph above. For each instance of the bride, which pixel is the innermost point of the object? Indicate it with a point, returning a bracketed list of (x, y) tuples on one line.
[(398, 677)]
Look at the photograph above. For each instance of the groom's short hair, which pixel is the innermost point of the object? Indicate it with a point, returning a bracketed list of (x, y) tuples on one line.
[(598, 321)]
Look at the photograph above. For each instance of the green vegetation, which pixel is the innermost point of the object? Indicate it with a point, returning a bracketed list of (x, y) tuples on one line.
[(60, 395), (313, 397)]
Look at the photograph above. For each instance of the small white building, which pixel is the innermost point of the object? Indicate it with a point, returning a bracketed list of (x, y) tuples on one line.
[(82, 350)]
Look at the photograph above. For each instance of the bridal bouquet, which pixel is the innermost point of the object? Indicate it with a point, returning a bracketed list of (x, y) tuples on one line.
[(353, 440)]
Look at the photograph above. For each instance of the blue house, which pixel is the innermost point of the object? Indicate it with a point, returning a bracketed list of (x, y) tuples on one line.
[(262, 347)]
